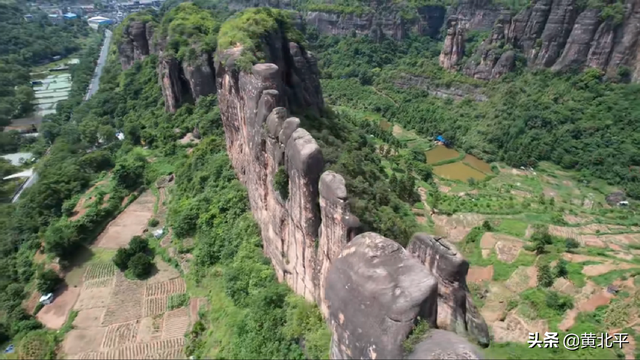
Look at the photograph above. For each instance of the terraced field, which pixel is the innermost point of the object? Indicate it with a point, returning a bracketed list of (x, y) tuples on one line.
[(120, 318)]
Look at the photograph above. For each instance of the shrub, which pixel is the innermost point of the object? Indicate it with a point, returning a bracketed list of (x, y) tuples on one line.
[(571, 243), (138, 245), (48, 281), (122, 258), (153, 222), (545, 277), (140, 266), (281, 183), (560, 269)]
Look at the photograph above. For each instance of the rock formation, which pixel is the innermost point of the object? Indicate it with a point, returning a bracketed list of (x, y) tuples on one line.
[(310, 235), (556, 34), (191, 78), (491, 61), (453, 46)]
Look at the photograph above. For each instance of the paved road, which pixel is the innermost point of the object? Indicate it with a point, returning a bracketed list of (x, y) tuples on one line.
[(95, 82), (93, 87)]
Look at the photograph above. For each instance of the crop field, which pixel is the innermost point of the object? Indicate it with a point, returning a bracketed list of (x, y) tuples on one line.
[(119, 321)]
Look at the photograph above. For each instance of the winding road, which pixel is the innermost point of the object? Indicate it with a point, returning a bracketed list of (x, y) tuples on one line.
[(93, 87)]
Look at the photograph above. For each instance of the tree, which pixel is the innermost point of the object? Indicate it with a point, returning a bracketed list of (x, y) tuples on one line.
[(486, 225), (122, 257), (48, 281), (138, 245), (560, 269), (545, 277), (129, 173), (140, 265), (571, 244), (538, 247)]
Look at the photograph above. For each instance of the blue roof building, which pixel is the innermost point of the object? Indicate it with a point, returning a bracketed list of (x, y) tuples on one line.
[(69, 16)]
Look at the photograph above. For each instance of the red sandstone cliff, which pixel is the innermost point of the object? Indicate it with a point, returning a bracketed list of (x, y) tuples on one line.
[(556, 34), (371, 289)]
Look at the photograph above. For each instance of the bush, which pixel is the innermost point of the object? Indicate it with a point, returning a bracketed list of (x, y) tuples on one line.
[(140, 266), (281, 183), (48, 281), (545, 277), (153, 222), (138, 245), (122, 258), (571, 244), (560, 269)]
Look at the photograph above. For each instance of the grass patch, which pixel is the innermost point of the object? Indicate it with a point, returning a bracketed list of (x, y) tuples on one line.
[(512, 227), (575, 275), (611, 276), (503, 271)]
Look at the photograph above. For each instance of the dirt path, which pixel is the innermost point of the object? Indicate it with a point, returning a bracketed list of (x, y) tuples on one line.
[(383, 94)]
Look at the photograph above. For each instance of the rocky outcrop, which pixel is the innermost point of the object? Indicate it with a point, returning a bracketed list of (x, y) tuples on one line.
[(491, 60), (456, 311), (453, 47), (627, 47), (601, 46), (171, 82), (200, 75), (134, 43), (377, 291), (558, 34), (308, 231), (576, 52), (186, 80)]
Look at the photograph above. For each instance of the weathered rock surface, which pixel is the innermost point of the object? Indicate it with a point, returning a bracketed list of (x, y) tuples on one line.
[(456, 311), (180, 80), (490, 60), (375, 292), (577, 49), (134, 43), (439, 344), (556, 34), (311, 237), (453, 47)]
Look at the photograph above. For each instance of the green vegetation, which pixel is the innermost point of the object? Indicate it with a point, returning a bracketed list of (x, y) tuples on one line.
[(281, 183), (249, 27), (417, 334), (136, 260), (189, 31), (48, 281), (24, 45), (177, 301), (545, 116)]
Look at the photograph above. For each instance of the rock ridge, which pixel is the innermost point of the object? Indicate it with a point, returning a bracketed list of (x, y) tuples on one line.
[(371, 289)]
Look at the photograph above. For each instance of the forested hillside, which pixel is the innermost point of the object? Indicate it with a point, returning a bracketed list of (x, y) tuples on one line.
[(581, 122)]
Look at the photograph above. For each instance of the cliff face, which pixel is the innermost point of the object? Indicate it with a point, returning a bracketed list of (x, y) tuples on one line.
[(191, 78), (370, 288), (453, 46), (386, 17), (560, 35)]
